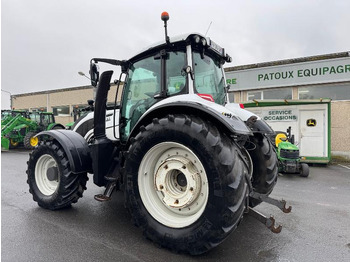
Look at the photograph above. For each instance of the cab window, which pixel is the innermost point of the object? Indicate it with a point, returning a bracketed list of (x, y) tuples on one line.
[(176, 80), (142, 85)]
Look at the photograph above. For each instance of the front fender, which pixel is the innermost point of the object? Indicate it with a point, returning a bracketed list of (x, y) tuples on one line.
[(76, 148)]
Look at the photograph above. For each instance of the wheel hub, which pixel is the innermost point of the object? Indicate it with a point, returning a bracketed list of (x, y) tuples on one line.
[(34, 141), (52, 173), (46, 174), (173, 184), (179, 182)]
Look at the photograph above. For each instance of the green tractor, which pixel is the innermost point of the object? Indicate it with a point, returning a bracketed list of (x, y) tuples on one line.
[(288, 155), (23, 129), (8, 115)]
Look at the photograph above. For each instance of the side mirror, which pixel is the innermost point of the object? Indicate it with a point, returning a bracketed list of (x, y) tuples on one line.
[(94, 73)]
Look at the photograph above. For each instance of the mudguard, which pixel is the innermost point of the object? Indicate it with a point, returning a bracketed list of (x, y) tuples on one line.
[(76, 148), (193, 104)]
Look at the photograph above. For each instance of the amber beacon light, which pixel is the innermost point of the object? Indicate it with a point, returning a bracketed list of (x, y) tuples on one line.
[(165, 16)]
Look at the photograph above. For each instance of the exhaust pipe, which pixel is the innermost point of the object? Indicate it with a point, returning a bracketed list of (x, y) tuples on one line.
[(100, 104), (102, 148)]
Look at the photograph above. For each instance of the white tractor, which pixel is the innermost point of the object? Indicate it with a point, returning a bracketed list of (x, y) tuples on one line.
[(190, 163)]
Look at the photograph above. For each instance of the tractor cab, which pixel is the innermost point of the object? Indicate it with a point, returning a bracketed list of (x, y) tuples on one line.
[(189, 64), (182, 65), (43, 119)]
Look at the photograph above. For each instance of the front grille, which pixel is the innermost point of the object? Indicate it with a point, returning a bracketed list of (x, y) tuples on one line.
[(292, 154)]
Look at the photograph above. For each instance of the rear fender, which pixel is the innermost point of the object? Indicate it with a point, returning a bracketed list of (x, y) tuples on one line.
[(223, 118), (76, 148)]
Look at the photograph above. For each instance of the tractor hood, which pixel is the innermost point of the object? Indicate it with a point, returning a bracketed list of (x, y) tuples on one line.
[(287, 146)]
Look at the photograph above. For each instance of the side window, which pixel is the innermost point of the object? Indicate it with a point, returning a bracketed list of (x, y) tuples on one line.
[(209, 78), (143, 83), (174, 65)]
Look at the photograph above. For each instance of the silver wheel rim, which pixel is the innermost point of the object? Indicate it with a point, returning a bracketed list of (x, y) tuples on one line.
[(173, 184), (47, 187)]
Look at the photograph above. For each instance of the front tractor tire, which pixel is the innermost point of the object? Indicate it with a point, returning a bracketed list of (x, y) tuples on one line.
[(185, 184), (50, 179), (30, 140)]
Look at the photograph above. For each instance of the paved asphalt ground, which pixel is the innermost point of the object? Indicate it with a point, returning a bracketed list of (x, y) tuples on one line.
[(317, 229)]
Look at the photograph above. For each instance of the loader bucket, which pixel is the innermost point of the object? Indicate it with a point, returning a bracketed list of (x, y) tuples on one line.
[(5, 144)]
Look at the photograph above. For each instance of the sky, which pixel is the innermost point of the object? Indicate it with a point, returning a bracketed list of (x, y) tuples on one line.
[(45, 43)]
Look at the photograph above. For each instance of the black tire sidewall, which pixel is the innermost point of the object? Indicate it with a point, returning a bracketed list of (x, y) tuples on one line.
[(304, 172), (265, 166)]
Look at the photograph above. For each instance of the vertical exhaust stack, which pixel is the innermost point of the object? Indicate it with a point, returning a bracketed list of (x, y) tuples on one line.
[(102, 148), (100, 105)]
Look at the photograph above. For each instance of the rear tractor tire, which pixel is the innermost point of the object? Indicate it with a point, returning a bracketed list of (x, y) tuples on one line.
[(50, 179), (265, 167), (185, 184)]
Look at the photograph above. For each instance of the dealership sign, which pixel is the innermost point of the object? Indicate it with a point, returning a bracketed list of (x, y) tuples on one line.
[(314, 72), (284, 115)]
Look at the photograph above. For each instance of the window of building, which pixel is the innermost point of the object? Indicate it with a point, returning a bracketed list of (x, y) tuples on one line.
[(39, 109), (276, 93), (335, 92), (254, 95), (61, 110), (231, 97), (283, 93)]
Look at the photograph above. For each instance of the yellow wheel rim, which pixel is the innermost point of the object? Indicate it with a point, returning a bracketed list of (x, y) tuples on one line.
[(34, 141), (13, 143)]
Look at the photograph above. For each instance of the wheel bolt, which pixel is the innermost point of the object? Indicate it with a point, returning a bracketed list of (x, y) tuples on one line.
[(176, 202), (161, 187)]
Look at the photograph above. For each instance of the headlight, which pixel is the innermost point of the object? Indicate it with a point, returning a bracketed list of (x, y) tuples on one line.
[(197, 39)]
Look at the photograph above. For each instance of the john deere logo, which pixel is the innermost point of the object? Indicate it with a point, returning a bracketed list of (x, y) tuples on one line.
[(311, 122)]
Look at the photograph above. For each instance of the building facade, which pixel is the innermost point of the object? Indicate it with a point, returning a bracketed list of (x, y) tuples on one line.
[(60, 101), (316, 77)]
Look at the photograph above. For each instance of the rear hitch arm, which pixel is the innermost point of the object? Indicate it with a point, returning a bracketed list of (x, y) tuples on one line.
[(268, 222), (281, 204)]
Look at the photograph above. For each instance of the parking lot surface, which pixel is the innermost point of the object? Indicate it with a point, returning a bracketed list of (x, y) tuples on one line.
[(317, 229)]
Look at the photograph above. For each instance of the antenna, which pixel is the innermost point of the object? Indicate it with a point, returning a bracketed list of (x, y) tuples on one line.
[(208, 28)]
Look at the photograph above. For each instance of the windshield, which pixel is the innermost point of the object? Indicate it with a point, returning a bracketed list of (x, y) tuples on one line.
[(209, 78)]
